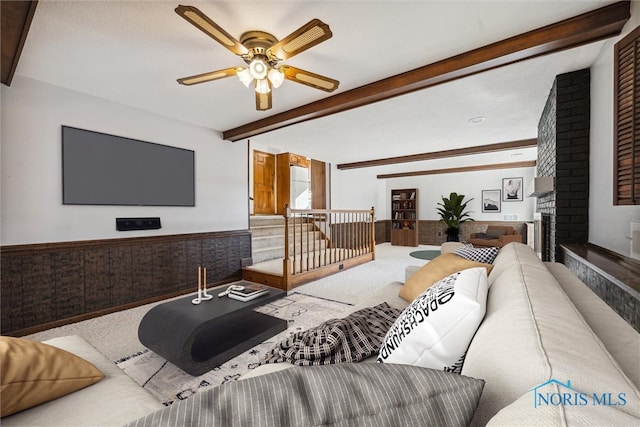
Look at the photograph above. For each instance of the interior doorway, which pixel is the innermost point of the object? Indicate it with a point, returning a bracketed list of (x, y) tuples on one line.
[(264, 172)]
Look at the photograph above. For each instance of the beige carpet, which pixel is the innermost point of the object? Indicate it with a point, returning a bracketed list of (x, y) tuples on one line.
[(116, 334)]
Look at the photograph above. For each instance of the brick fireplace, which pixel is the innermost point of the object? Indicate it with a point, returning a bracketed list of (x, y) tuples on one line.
[(563, 153)]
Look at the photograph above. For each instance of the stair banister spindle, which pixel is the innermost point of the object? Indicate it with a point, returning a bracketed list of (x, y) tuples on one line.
[(339, 230), (300, 237), (372, 237), (360, 234), (308, 238), (325, 239), (349, 236)]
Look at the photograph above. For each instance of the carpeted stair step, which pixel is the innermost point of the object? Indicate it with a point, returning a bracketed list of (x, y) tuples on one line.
[(258, 221), (267, 238)]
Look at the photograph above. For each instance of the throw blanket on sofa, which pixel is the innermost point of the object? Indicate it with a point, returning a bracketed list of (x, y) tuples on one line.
[(350, 339)]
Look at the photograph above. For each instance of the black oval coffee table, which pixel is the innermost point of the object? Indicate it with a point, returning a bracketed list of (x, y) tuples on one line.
[(198, 338)]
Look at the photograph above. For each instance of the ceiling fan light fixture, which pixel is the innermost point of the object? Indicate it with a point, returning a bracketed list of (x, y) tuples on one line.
[(245, 76), (262, 53), (276, 77), (259, 68), (262, 86)]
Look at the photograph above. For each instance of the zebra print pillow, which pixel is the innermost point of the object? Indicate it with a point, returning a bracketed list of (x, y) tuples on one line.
[(484, 255)]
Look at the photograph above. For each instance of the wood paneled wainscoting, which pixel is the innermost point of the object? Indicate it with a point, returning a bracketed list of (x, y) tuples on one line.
[(51, 284), (432, 232)]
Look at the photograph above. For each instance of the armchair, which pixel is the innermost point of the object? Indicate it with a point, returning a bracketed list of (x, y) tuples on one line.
[(496, 235)]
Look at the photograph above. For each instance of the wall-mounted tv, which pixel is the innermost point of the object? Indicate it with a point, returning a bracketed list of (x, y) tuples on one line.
[(102, 169)]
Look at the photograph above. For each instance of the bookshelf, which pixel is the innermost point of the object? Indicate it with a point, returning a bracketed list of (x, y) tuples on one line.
[(404, 217)]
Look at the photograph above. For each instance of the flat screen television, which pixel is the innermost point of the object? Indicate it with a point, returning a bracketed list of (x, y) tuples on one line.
[(102, 169)]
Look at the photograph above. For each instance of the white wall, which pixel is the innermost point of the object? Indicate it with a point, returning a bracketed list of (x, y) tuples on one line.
[(32, 209), (609, 225), (360, 188)]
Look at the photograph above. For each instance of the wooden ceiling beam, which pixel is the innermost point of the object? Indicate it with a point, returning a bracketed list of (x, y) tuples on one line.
[(16, 20), (570, 33), (478, 149), (494, 166)]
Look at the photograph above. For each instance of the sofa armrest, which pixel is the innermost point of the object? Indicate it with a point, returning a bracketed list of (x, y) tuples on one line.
[(449, 247), (115, 400), (410, 270)]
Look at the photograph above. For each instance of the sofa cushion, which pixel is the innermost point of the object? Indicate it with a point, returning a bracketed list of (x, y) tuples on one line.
[(34, 373), (435, 330), (114, 401), (436, 269), (533, 334), (588, 412), (349, 394), (483, 236), (494, 233), (484, 255)]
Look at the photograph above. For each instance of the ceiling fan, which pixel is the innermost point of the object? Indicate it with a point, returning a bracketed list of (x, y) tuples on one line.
[(263, 54)]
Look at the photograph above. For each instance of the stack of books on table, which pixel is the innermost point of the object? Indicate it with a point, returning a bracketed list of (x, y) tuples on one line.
[(249, 292)]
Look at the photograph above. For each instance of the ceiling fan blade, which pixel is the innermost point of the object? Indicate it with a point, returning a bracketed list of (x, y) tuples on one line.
[(207, 77), (263, 101), (312, 33), (213, 30), (308, 78)]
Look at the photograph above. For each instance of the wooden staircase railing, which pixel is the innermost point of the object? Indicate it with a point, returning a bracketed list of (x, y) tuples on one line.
[(320, 242)]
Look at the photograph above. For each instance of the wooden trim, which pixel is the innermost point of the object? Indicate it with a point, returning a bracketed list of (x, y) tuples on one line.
[(294, 280), (501, 146), (270, 279), (493, 166), (35, 248), (98, 313), (570, 33), (16, 21)]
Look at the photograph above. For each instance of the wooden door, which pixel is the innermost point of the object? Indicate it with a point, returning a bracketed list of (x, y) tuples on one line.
[(318, 185), (263, 183)]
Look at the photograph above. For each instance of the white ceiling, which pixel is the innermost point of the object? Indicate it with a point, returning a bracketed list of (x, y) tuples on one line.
[(132, 52)]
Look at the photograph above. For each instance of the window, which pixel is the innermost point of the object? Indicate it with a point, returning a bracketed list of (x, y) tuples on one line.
[(626, 189)]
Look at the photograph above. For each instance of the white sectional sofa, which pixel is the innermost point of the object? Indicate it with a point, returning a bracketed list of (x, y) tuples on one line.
[(545, 336), (543, 325)]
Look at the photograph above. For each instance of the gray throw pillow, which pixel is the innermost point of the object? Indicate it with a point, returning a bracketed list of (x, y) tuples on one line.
[(353, 394)]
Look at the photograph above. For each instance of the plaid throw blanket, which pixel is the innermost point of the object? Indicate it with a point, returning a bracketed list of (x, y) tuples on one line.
[(350, 339)]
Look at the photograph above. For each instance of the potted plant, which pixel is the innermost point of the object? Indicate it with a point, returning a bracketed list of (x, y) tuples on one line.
[(452, 213)]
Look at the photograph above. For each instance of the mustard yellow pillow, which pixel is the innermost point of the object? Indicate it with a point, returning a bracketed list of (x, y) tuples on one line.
[(34, 373), (436, 269)]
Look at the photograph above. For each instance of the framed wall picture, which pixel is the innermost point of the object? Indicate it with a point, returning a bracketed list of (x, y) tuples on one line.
[(491, 201), (512, 189)]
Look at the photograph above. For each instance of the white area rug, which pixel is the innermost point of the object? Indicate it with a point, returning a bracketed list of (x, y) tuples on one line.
[(169, 383)]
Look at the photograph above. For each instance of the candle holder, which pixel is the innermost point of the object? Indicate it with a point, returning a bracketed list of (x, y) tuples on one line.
[(203, 295)]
